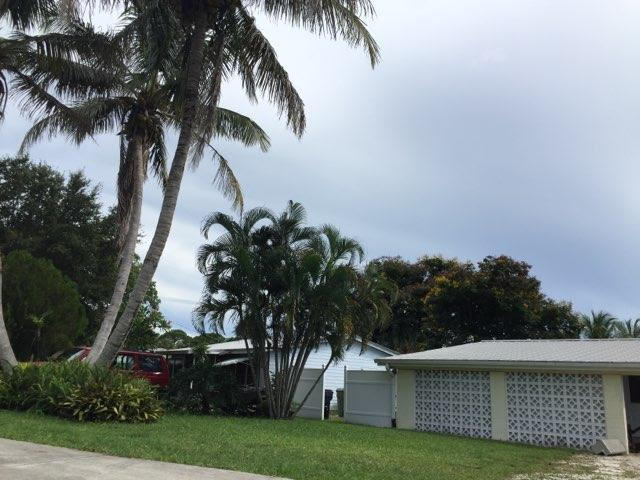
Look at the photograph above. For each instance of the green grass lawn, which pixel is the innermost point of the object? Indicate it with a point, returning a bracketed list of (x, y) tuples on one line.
[(299, 449)]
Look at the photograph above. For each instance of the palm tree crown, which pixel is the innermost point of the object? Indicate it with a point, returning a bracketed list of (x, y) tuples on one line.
[(629, 328), (598, 325)]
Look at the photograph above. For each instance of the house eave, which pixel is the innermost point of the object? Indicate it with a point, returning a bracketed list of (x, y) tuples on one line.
[(500, 365)]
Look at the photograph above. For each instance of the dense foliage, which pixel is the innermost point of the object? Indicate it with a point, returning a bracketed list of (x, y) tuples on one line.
[(59, 219), (447, 302), (288, 288), (179, 339), (43, 310), (77, 391), (206, 389), (60, 222)]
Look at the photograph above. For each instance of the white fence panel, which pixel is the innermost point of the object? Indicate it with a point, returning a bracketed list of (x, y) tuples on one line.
[(369, 397), (314, 406)]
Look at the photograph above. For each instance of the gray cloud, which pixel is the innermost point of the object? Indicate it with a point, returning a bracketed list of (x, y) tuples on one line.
[(490, 127)]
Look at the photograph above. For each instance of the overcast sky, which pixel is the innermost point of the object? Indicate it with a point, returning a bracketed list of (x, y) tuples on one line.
[(490, 127)]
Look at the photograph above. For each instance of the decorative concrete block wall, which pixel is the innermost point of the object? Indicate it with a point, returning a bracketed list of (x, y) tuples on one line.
[(551, 409), (457, 402)]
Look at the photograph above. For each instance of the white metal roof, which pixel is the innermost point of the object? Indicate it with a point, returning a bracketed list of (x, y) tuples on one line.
[(609, 354), (238, 346)]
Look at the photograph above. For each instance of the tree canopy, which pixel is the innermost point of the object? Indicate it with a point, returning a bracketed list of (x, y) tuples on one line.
[(43, 310), (446, 302), (59, 219)]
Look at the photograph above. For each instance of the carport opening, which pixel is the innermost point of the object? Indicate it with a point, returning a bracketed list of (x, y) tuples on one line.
[(632, 407)]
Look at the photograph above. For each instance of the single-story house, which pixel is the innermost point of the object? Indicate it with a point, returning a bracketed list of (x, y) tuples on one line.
[(545, 392), (235, 353)]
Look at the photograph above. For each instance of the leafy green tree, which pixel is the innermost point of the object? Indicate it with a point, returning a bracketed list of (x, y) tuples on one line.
[(42, 307), (629, 328), (174, 339), (413, 280), (181, 339), (287, 288), (498, 299), (598, 325), (60, 220)]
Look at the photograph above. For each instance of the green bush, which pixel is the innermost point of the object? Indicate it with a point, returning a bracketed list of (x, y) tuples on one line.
[(206, 389), (77, 391)]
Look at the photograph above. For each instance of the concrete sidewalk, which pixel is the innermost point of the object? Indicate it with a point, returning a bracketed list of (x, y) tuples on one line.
[(30, 461)]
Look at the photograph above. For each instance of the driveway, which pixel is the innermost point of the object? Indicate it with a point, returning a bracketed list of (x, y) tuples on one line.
[(593, 467), (30, 461)]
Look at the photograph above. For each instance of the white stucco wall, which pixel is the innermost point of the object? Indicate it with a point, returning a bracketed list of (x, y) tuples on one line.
[(334, 377)]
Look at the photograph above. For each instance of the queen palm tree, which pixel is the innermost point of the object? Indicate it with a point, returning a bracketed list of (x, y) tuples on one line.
[(212, 26), (629, 328), (598, 325), (287, 288)]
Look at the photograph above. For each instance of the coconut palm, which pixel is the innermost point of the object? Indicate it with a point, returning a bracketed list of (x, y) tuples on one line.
[(112, 94), (629, 328), (598, 325), (221, 39)]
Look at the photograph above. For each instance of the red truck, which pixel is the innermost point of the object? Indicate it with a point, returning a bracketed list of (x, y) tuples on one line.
[(150, 366)]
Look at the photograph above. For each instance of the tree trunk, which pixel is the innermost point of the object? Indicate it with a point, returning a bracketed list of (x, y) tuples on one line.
[(7, 357), (165, 219), (135, 154)]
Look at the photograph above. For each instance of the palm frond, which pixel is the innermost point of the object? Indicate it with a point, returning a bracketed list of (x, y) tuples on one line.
[(260, 70), (24, 14), (226, 182), (235, 126), (77, 123), (333, 18)]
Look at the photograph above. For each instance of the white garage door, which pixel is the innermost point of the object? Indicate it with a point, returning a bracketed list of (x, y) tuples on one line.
[(457, 402), (555, 409)]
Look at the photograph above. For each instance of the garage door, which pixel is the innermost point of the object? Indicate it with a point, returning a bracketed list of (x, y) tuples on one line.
[(457, 402), (555, 409)]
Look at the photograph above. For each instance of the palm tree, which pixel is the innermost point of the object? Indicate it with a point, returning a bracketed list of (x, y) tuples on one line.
[(140, 105), (222, 38), (598, 325), (287, 288), (629, 328)]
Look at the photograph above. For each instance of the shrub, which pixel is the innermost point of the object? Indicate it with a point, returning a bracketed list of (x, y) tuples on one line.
[(77, 391), (206, 389)]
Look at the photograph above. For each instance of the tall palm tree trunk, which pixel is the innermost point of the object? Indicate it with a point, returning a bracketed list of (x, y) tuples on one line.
[(170, 199), (135, 154), (7, 357)]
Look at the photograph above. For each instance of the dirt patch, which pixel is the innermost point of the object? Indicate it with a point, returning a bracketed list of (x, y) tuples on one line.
[(593, 467)]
